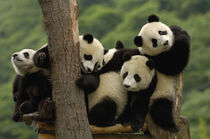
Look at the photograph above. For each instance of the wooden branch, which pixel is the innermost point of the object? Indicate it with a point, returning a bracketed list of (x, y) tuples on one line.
[(118, 128)]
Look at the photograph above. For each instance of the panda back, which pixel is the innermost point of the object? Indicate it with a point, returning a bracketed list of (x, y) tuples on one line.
[(110, 87)]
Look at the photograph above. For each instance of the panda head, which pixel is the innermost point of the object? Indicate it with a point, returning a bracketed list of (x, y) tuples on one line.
[(137, 72), (108, 54), (91, 53), (154, 37), (23, 62)]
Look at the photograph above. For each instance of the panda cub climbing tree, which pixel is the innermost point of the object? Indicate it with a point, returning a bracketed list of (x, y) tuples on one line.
[(169, 48), (31, 87)]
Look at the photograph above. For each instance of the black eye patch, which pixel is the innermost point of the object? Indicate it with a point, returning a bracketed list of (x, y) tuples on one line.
[(125, 75), (162, 32), (88, 57), (137, 78), (154, 42), (26, 55)]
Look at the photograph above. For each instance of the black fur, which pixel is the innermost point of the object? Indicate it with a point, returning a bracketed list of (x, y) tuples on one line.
[(150, 64), (41, 58), (46, 110), (90, 82), (139, 107), (138, 41), (119, 45), (117, 61), (105, 51), (173, 61), (162, 114), (103, 113), (30, 89), (88, 37), (153, 18)]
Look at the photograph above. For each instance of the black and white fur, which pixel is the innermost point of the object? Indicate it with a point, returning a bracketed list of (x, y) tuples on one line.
[(31, 84), (139, 79), (169, 48), (91, 53), (106, 96)]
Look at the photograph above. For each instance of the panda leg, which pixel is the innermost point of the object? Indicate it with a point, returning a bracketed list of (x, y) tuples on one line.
[(161, 113), (139, 112), (103, 113)]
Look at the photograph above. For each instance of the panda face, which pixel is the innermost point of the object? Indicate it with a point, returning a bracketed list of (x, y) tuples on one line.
[(137, 73), (91, 54), (156, 38), (23, 62)]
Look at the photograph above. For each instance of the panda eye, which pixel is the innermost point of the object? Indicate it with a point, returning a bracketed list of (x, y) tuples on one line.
[(26, 55), (154, 42), (137, 78), (88, 57), (162, 32), (125, 75)]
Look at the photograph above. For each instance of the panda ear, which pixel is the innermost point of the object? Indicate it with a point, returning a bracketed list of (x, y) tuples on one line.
[(119, 45), (150, 64), (138, 41), (88, 38), (153, 18), (126, 57), (105, 51)]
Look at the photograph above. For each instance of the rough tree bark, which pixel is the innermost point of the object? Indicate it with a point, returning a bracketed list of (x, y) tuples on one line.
[(60, 19)]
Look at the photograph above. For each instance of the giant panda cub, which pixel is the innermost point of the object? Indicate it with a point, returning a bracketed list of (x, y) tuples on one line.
[(139, 79), (31, 84), (106, 97), (169, 48)]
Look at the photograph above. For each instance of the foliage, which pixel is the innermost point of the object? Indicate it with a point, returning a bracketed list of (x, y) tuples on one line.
[(111, 20)]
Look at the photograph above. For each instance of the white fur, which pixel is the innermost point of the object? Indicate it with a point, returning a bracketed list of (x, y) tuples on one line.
[(108, 56), (95, 49), (164, 87), (111, 86), (24, 65), (150, 31), (137, 65)]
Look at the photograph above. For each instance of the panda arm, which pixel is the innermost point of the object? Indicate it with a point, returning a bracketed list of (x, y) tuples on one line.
[(88, 82), (15, 87), (174, 61), (41, 58)]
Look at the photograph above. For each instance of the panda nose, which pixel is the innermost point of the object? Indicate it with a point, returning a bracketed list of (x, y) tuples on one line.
[(14, 55), (126, 86), (166, 43)]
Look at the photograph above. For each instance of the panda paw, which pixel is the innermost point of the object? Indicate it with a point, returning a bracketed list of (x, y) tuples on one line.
[(47, 109), (173, 129), (17, 116), (136, 125), (80, 82), (27, 107)]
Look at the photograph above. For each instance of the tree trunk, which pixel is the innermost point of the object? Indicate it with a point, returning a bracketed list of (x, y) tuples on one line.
[(60, 19)]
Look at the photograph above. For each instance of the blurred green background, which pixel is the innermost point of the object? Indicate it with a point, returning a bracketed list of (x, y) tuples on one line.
[(111, 20)]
